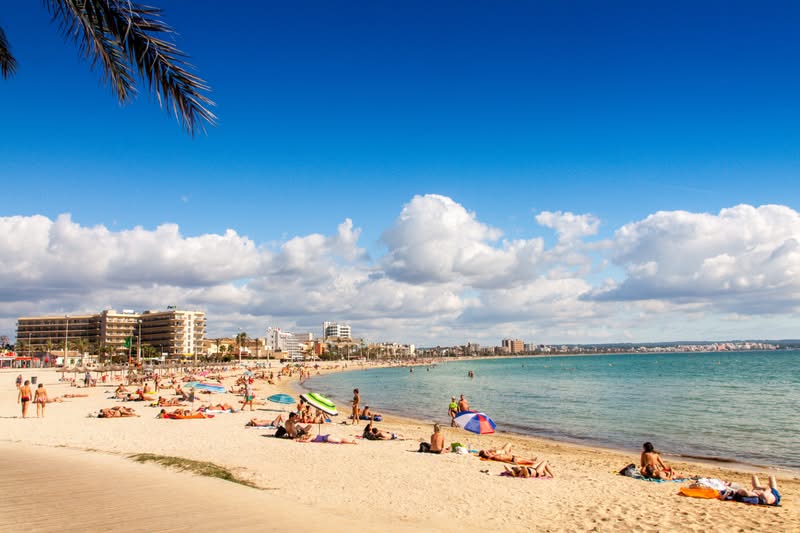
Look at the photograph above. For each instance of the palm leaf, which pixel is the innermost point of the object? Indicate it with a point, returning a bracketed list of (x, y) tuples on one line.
[(8, 65), (122, 37)]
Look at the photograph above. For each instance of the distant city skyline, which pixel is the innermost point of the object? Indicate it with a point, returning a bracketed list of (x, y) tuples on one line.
[(427, 173)]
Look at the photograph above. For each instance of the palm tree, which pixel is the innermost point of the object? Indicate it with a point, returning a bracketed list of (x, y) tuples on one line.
[(129, 41), (241, 341)]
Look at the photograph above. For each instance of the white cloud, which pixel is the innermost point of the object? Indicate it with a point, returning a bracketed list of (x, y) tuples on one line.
[(569, 226), (445, 277)]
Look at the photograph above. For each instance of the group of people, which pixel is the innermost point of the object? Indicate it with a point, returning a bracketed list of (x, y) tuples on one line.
[(25, 396)]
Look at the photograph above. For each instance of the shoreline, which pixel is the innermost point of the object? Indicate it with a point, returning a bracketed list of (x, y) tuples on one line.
[(731, 464)]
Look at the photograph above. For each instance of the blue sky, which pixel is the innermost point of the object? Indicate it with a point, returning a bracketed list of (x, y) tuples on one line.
[(331, 111)]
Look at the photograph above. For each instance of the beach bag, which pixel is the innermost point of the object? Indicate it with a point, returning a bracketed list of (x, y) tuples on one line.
[(629, 471), (454, 446), (424, 447)]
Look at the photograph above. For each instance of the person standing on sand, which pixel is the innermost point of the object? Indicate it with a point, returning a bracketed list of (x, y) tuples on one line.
[(40, 399), (24, 397), (452, 409), (248, 396), (19, 381), (356, 402), (463, 404)]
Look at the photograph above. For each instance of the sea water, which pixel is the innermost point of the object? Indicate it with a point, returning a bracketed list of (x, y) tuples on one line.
[(729, 406)]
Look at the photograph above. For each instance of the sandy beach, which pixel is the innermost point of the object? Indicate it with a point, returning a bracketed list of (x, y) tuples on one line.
[(77, 476)]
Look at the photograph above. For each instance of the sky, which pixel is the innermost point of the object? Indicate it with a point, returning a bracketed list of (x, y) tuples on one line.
[(432, 173)]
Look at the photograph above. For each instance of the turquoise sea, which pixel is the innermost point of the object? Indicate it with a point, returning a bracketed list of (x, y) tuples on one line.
[(730, 406)]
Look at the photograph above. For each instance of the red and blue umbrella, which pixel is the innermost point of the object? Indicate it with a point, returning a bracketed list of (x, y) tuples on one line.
[(475, 422)]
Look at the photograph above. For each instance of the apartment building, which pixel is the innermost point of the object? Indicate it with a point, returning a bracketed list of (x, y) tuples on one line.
[(335, 330), (513, 346), (173, 331)]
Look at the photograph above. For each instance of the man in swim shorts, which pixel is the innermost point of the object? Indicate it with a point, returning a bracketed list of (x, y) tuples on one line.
[(24, 397), (759, 495)]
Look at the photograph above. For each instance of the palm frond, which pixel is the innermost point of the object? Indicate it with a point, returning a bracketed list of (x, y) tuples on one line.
[(123, 36), (8, 65)]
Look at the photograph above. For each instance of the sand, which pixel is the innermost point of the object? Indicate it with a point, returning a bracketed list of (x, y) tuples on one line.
[(77, 476)]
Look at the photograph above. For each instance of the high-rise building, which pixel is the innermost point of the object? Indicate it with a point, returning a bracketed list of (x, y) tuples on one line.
[(282, 341), (335, 330), (175, 332), (512, 345)]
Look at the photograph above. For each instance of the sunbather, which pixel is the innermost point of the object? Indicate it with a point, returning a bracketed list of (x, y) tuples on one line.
[(504, 455), (652, 466), (116, 412), (377, 434), (540, 469), (759, 494), (330, 439), (263, 422), (293, 427)]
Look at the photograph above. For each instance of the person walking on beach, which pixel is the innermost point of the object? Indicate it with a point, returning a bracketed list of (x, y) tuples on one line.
[(24, 397), (19, 381), (463, 404), (248, 396), (40, 399), (452, 409), (356, 402), (87, 379)]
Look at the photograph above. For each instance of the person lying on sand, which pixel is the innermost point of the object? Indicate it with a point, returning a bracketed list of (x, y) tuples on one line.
[(540, 469), (75, 396), (216, 407), (330, 439), (652, 466), (367, 413), (377, 434), (504, 455), (759, 494), (264, 423), (116, 412), (172, 402)]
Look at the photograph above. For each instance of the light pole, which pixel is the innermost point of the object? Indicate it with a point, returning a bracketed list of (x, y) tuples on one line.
[(66, 336), (240, 346), (139, 347)]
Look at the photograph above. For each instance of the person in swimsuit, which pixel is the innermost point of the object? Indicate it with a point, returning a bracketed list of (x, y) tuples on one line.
[(40, 399), (452, 409), (540, 469), (652, 466), (330, 439), (19, 381), (760, 495), (356, 401), (249, 396), (504, 455), (24, 397), (437, 442), (463, 404)]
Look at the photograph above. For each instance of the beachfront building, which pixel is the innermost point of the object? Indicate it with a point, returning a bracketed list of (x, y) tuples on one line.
[(113, 333), (334, 330), (174, 332), (282, 343), (512, 346)]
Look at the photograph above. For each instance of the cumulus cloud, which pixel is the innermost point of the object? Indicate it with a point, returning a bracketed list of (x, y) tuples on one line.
[(445, 275), (569, 226), (744, 258)]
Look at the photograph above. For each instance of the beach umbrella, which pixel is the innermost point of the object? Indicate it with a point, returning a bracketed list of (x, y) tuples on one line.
[(281, 398), (210, 387), (475, 422), (318, 401)]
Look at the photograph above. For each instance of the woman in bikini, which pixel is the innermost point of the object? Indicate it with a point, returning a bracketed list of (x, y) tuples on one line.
[(652, 466), (540, 469), (504, 455), (40, 399), (356, 402), (24, 397)]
